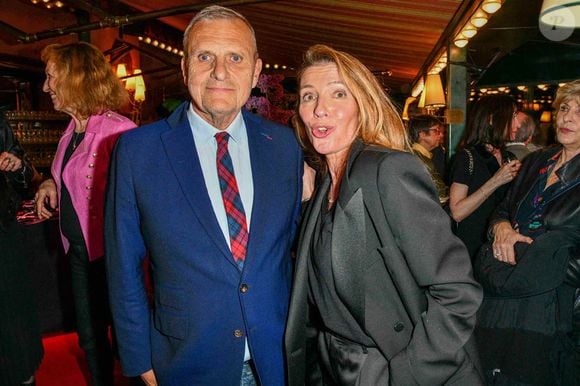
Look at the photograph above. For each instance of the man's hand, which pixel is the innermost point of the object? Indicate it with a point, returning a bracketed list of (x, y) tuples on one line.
[(149, 378)]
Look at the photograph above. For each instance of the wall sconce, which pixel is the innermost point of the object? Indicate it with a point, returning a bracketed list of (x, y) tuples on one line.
[(434, 95), (121, 70), (408, 101), (135, 86), (546, 117), (421, 103), (139, 95)]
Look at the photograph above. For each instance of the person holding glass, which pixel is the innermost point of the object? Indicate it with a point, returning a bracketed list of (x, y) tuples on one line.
[(81, 83), (482, 168), (383, 291)]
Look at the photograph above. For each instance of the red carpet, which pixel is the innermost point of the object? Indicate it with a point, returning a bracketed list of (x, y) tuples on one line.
[(63, 363)]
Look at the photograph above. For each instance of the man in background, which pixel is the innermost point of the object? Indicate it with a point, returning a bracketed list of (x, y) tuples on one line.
[(521, 136), (426, 133)]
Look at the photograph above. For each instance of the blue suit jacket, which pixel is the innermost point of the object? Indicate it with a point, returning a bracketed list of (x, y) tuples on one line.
[(158, 204)]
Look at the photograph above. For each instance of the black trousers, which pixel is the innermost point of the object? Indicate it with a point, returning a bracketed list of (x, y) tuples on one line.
[(93, 317)]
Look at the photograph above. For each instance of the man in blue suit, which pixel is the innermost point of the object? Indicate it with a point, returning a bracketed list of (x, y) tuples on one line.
[(221, 281)]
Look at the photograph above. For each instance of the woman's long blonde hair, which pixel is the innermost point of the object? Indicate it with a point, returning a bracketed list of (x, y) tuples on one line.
[(86, 82), (379, 120)]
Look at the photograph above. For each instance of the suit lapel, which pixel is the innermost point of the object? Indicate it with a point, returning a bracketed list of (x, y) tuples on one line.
[(180, 150), (349, 242), (298, 302), (348, 245), (264, 173)]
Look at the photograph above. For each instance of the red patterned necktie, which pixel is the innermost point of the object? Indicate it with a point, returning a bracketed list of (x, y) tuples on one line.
[(232, 201)]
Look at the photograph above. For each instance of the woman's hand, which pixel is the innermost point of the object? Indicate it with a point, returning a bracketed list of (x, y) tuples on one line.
[(506, 173), (46, 198), (505, 237), (308, 177), (9, 162), (148, 378)]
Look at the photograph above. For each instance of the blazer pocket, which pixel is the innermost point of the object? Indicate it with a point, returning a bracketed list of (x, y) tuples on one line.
[(171, 325)]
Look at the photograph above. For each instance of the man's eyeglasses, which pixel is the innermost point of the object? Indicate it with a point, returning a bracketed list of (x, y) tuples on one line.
[(435, 130)]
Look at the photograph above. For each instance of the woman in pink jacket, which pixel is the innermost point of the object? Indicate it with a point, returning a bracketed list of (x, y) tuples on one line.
[(82, 84)]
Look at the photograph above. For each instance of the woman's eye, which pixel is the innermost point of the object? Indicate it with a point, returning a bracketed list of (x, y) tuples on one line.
[(340, 94), (307, 97)]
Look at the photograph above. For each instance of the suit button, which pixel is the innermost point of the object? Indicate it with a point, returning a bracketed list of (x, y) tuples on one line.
[(399, 327), (238, 333), (244, 288)]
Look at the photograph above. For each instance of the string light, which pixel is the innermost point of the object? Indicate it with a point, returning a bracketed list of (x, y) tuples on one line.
[(161, 45)]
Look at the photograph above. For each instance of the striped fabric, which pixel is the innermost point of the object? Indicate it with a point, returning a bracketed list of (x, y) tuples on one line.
[(236, 215)]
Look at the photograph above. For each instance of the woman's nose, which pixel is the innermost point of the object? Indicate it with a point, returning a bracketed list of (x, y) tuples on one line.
[(320, 109)]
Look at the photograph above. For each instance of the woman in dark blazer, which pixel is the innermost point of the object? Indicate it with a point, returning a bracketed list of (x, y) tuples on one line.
[(530, 271), (383, 292)]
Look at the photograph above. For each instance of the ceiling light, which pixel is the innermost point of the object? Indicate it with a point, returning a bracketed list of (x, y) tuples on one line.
[(469, 31), (491, 6), (460, 40), (479, 19)]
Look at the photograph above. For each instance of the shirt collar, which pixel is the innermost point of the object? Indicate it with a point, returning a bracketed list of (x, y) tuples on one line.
[(203, 132), (421, 149)]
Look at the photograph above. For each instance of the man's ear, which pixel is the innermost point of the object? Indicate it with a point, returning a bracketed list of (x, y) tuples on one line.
[(184, 70)]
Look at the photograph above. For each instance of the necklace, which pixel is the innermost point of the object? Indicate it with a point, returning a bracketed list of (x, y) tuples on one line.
[(77, 138)]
